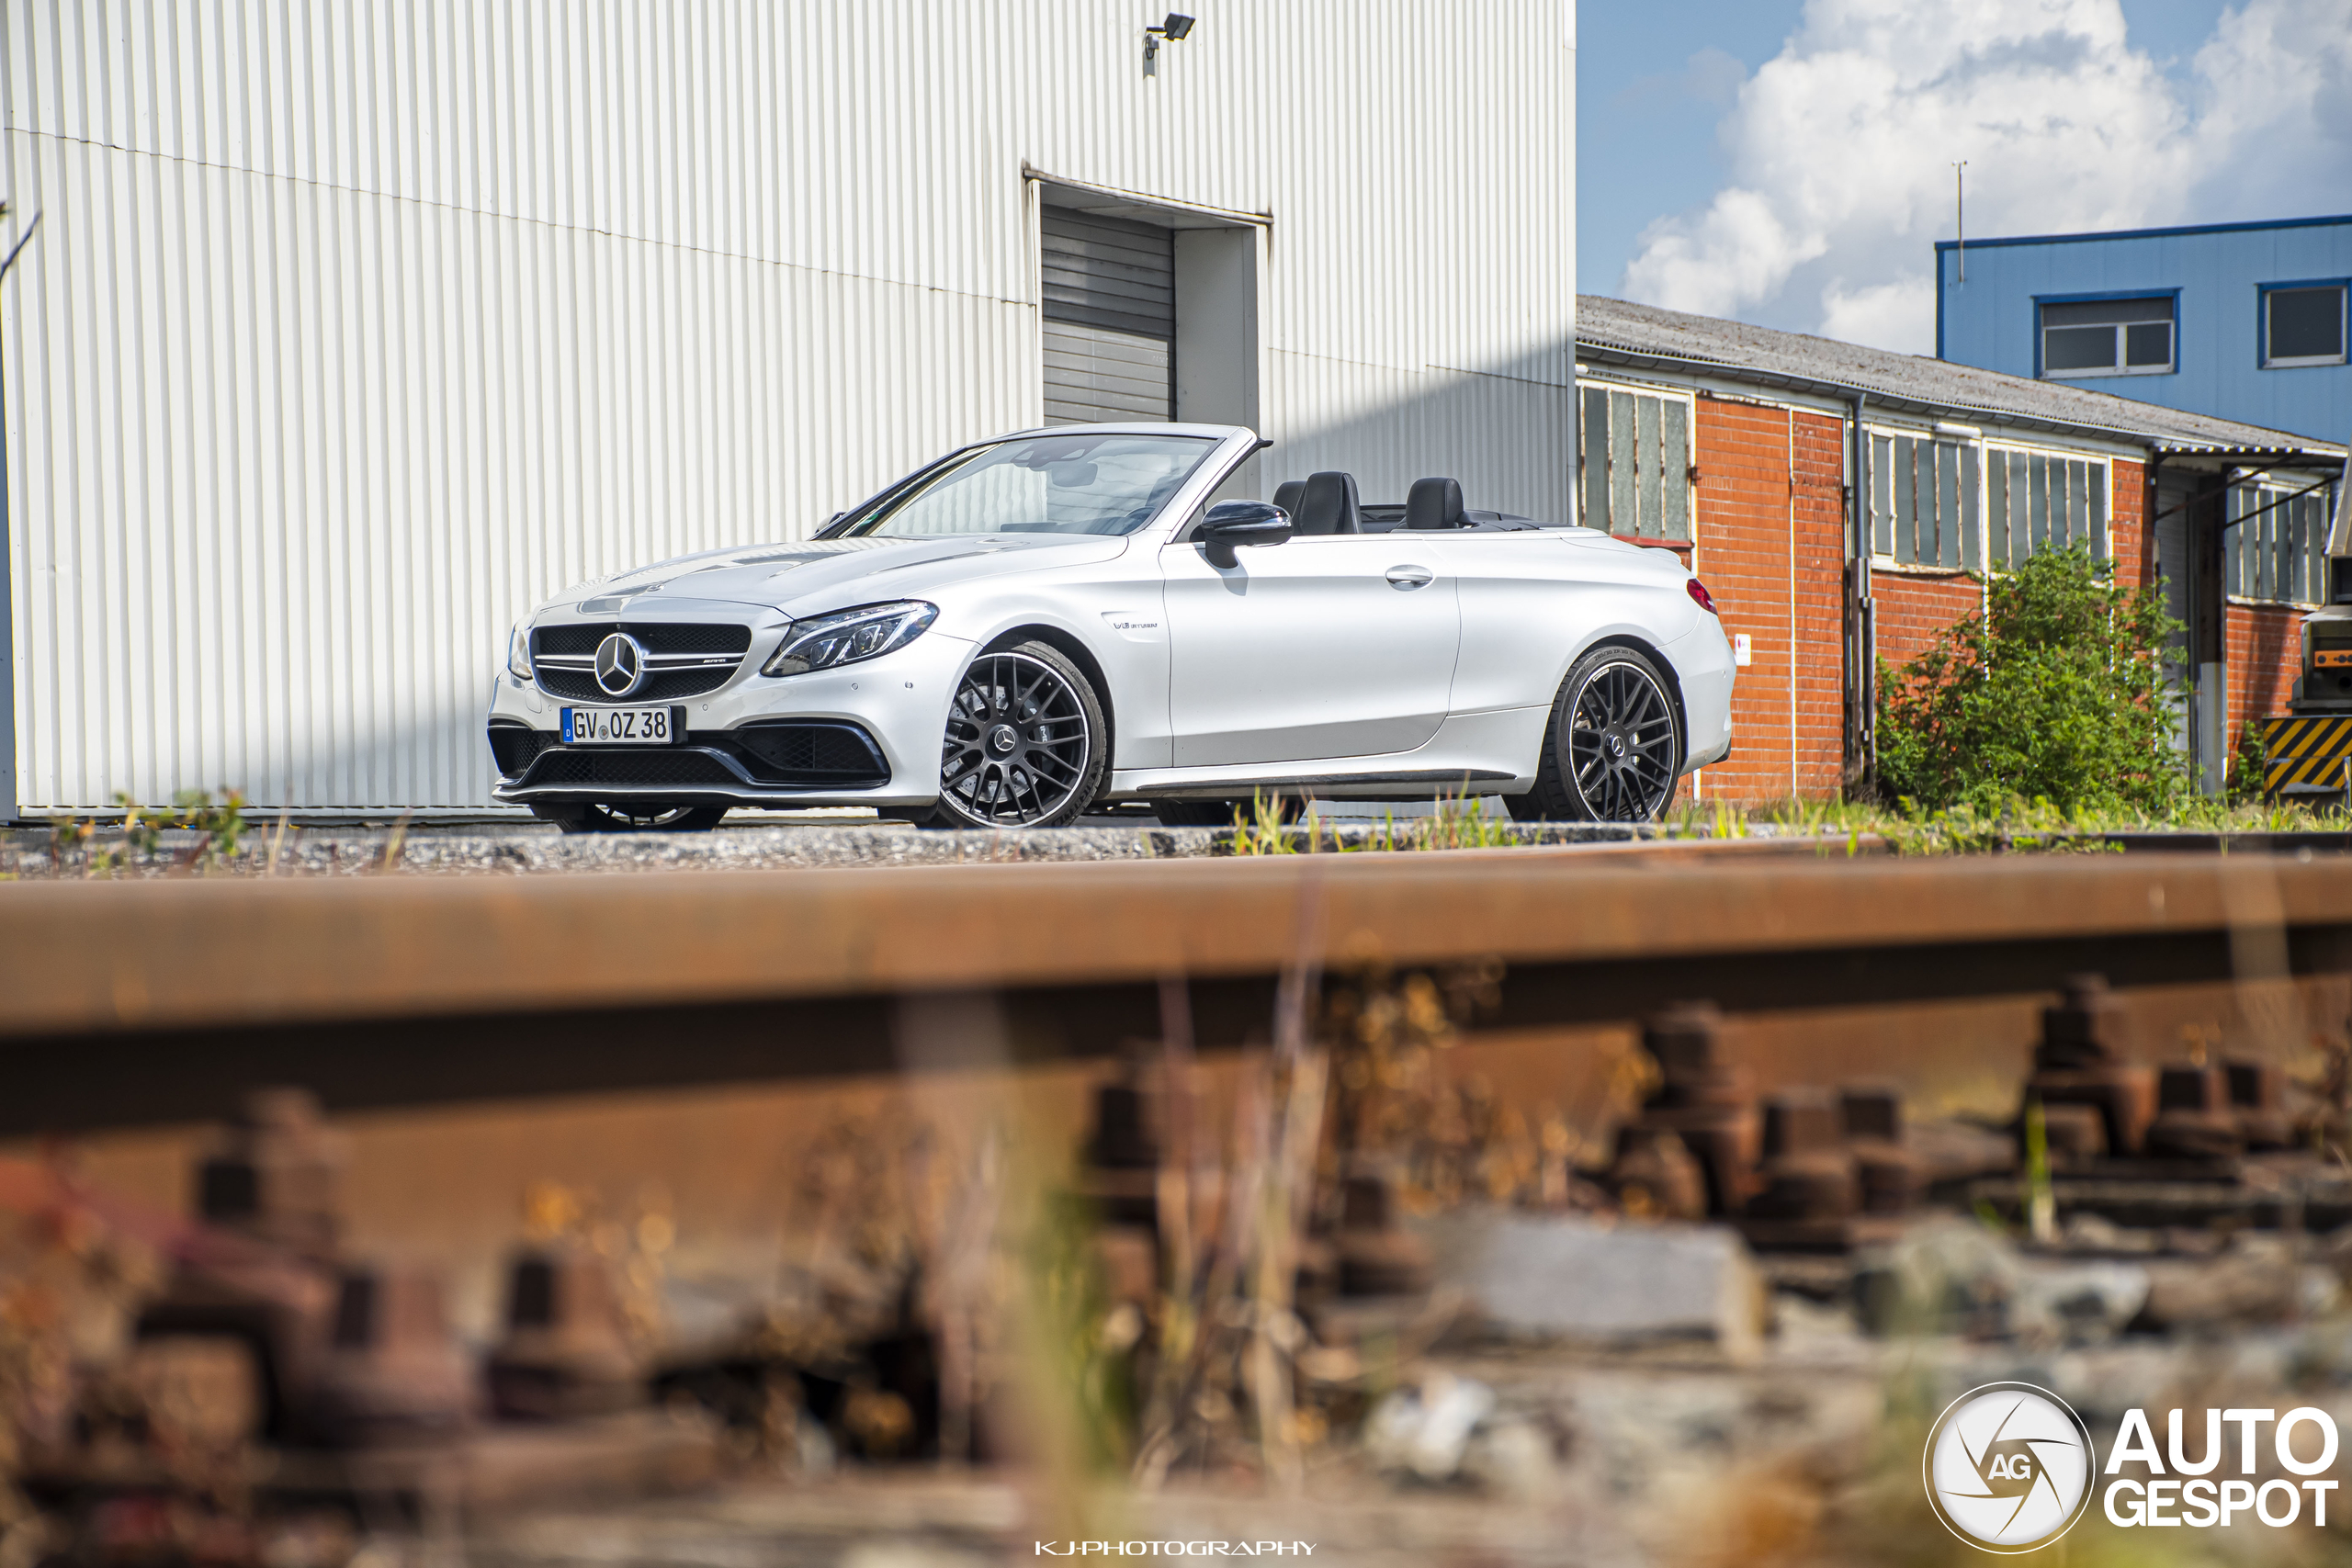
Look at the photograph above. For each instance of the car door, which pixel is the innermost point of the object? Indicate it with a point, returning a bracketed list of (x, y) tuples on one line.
[(1530, 598), (1328, 646)]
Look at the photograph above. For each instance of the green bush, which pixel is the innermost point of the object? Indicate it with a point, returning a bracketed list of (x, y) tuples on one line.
[(2249, 761), (2054, 691)]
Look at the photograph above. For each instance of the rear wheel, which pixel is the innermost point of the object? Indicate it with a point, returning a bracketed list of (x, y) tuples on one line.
[(1026, 745), (631, 817), (1612, 751)]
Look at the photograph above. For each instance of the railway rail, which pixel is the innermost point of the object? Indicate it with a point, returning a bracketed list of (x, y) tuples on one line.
[(129, 1004)]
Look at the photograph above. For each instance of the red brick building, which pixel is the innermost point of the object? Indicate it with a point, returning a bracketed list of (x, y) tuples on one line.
[(1737, 447)]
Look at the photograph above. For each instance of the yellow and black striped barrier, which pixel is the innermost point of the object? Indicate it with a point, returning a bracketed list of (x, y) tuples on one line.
[(2306, 752)]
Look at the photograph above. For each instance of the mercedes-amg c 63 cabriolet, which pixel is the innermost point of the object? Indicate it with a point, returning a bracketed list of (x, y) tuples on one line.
[(1039, 624)]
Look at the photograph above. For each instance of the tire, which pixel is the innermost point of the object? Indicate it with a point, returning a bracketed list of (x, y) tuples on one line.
[(1613, 747), (600, 817), (1026, 744)]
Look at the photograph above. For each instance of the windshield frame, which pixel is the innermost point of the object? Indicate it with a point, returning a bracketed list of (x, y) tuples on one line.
[(1229, 446)]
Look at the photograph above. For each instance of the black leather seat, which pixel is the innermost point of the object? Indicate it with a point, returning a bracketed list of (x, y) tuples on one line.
[(1287, 496), (1434, 504), (1328, 505)]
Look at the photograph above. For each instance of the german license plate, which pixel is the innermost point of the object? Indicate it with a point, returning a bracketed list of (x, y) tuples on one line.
[(624, 726)]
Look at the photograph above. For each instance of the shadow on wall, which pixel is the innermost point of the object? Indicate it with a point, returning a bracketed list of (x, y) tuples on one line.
[(1508, 433), (373, 774)]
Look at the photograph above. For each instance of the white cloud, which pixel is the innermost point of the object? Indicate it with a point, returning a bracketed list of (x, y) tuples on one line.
[(1877, 313), (2274, 102), (1841, 149)]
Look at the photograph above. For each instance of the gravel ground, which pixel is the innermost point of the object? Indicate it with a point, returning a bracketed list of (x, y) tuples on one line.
[(478, 849)]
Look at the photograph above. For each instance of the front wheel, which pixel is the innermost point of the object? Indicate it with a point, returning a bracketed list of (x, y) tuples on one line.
[(655, 818), (1612, 749), (1026, 745)]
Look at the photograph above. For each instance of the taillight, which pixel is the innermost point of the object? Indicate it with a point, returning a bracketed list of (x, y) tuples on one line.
[(1700, 597)]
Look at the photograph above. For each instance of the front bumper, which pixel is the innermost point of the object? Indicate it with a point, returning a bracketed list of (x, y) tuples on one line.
[(886, 714)]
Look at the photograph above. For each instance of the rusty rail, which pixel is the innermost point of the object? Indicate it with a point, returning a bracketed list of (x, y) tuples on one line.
[(123, 1004)]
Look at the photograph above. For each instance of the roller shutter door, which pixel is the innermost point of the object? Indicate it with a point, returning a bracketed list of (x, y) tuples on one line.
[(1109, 307)]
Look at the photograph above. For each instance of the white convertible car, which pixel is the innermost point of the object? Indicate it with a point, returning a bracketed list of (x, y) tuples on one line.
[(1038, 625)]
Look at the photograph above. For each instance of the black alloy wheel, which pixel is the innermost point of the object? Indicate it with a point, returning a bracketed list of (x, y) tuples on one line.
[(650, 816), (1612, 751), (1024, 742)]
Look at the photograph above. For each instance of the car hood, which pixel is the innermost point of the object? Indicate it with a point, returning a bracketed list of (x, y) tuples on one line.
[(817, 575)]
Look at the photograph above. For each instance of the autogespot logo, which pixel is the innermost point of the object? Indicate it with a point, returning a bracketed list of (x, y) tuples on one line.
[(2009, 1467)]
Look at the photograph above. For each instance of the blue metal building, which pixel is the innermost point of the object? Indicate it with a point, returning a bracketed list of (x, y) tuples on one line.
[(2243, 321)]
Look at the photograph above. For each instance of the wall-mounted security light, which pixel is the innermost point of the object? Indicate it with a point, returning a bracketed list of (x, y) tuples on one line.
[(1175, 29)]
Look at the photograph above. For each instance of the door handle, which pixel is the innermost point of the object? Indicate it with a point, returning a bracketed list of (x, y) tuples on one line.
[(1409, 578)]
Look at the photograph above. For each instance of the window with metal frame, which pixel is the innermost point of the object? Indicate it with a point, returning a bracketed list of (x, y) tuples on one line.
[(1634, 450), (2040, 501), (2275, 545), (2302, 325), (1922, 500), (2106, 337)]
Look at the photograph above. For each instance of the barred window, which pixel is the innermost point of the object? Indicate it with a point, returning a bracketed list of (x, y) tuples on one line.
[(2035, 501), (1922, 500), (1634, 450), (2276, 545)]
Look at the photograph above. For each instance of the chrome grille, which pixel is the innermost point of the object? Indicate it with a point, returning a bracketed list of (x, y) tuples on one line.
[(682, 659), (659, 686), (658, 636)]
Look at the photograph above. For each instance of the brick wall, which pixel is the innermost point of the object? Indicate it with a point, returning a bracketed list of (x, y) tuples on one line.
[(1821, 587), (2135, 563), (1770, 508), (1741, 505), (1914, 606), (2264, 645)]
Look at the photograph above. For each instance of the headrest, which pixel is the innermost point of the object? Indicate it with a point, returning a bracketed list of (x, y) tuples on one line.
[(1287, 496), (1434, 504), (1329, 506)]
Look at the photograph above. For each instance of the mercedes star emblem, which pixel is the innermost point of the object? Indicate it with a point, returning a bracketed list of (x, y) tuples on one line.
[(620, 665)]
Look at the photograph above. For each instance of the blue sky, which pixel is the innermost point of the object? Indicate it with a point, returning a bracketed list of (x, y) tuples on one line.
[(2125, 126)]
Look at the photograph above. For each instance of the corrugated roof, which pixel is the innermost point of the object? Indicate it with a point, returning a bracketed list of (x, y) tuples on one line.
[(1616, 331)]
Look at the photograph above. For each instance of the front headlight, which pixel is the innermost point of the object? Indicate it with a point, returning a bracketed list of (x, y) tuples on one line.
[(847, 635), (519, 651)]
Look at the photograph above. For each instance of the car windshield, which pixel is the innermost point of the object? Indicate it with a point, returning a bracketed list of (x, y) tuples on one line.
[(1042, 484)]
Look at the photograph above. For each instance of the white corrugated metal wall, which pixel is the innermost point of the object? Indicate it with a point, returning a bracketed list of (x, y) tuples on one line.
[(353, 327)]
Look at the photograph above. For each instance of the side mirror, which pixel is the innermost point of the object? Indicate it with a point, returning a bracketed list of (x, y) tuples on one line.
[(1231, 522)]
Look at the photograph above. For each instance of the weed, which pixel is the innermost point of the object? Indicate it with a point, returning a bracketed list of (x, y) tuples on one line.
[(1267, 826), (220, 827)]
